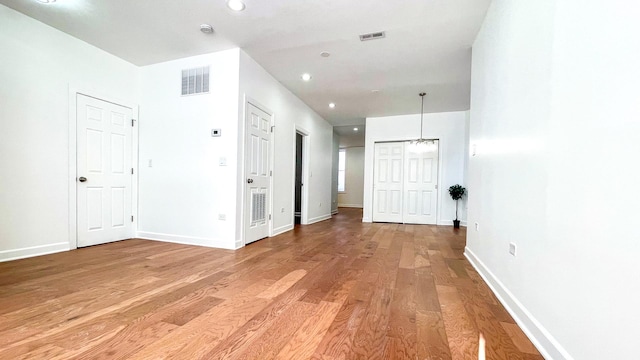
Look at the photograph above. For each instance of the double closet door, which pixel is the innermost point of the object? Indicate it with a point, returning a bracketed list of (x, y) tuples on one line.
[(405, 183)]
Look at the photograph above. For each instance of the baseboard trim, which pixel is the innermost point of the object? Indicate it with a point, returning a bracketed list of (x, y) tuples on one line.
[(33, 251), (282, 229), (186, 240), (318, 219), (366, 220), (358, 206), (449, 222), (333, 212), (548, 346)]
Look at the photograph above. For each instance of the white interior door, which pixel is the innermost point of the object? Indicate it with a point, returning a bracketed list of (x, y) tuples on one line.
[(420, 186), (104, 179), (387, 185), (257, 195)]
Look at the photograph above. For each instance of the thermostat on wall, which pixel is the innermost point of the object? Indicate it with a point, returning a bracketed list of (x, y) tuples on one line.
[(216, 132)]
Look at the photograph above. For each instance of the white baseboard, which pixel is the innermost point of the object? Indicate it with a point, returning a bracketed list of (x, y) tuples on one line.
[(359, 206), (15, 254), (187, 240), (282, 229), (449, 222), (366, 220), (333, 212), (548, 346), (318, 218)]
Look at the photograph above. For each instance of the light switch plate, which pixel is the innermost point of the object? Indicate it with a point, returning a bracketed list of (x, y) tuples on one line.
[(216, 132)]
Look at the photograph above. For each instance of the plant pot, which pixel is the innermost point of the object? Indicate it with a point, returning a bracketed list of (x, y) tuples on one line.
[(456, 224)]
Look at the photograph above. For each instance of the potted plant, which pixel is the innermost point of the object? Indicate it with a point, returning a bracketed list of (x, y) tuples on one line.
[(457, 192)]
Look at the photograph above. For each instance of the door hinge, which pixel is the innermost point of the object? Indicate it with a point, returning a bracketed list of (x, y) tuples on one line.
[(436, 187), (269, 216), (270, 172), (131, 171), (133, 122), (131, 218), (272, 127)]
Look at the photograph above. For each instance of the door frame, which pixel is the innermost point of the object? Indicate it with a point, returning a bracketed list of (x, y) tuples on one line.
[(73, 157), (243, 169), (304, 213)]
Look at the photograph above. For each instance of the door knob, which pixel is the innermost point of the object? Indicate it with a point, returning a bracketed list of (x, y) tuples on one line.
[(250, 181), (82, 179)]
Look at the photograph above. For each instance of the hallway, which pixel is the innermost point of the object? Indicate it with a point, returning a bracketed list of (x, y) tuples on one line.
[(338, 289)]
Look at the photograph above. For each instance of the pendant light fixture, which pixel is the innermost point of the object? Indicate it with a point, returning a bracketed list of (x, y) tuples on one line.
[(421, 145)]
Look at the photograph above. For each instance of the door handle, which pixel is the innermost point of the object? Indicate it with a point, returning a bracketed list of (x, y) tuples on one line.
[(82, 179), (250, 181)]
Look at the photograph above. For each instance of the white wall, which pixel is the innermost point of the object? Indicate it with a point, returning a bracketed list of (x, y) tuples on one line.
[(38, 65), (554, 118), (448, 127), (354, 178), (186, 189), (290, 112)]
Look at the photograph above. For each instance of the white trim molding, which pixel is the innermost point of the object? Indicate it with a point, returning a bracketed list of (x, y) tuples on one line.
[(318, 219), (282, 229), (548, 346), (359, 206), (185, 240), (15, 254)]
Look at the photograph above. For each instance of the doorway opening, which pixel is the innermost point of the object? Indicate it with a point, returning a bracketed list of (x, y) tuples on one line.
[(301, 177), (297, 211)]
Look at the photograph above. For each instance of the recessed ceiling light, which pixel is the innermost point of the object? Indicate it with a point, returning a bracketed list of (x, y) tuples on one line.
[(235, 5), (375, 91), (325, 54), (332, 105), (206, 28), (355, 129), (46, 1), (306, 77)]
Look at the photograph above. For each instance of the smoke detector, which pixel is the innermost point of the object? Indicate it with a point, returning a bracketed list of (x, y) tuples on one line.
[(206, 28)]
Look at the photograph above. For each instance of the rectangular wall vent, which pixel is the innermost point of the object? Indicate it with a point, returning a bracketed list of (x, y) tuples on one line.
[(195, 81), (258, 208), (372, 36)]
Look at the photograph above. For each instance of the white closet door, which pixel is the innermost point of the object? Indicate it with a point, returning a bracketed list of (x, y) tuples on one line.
[(420, 186), (388, 177), (104, 203)]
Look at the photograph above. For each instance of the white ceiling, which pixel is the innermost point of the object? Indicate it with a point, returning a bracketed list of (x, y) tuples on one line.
[(427, 45), (349, 137)]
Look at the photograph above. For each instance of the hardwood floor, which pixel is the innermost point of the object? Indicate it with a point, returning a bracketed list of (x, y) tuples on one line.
[(338, 289)]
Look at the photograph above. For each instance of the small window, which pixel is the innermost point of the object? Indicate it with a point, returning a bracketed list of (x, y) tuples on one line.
[(342, 159)]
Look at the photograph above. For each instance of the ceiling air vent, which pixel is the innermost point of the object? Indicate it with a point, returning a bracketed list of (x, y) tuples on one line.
[(372, 36), (195, 81)]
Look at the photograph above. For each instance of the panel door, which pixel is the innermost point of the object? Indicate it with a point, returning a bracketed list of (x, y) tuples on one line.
[(104, 179), (388, 182), (420, 186), (257, 199)]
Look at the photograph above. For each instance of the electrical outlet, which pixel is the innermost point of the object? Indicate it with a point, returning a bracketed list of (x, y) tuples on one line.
[(282, 210), (150, 163), (512, 249), (222, 217), (320, 205), (477, 226)]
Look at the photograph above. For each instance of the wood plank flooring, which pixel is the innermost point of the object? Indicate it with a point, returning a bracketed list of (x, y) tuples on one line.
[(339, 289)]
